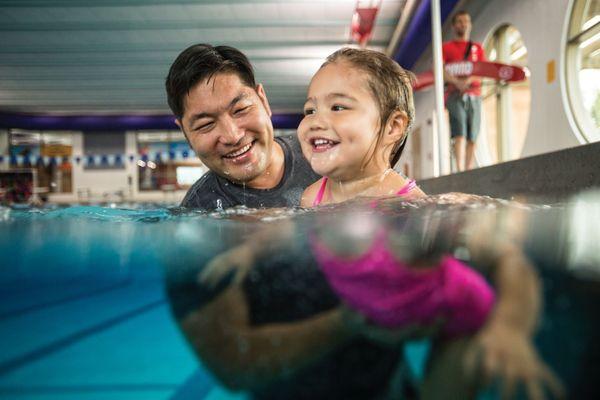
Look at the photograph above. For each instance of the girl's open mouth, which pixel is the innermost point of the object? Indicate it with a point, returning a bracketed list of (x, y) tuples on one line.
[(320, 145)]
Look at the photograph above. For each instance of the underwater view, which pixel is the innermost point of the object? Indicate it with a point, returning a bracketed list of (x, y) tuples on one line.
[(154, 302)]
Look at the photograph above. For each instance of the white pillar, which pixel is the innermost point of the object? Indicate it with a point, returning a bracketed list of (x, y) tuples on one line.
[(4, 148), (504, 105), (443, 151)]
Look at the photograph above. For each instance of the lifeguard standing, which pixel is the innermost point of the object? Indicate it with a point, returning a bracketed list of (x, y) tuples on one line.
[(463, 95)]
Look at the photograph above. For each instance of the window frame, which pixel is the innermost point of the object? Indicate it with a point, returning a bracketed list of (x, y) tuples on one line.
[(578, 116)]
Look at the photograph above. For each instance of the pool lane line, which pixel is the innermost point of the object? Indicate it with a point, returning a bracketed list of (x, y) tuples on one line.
[(219, 393), (20, 361), (196, 386), (54, 389), (79, 296), (17, 287)]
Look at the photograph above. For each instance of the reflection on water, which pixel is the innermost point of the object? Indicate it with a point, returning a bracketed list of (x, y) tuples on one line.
[(256, 294)]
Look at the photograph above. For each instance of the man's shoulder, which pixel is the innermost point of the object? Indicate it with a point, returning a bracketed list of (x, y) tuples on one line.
[(449, 43), (209, 178), (203, 192), (297, 168), (288, 142), (479, 46)]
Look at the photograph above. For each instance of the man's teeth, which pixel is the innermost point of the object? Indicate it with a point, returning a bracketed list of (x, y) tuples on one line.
[(240, 151)]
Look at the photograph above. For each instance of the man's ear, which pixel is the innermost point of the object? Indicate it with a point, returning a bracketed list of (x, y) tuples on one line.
[(180, 125), (396, 127), (260, 90)]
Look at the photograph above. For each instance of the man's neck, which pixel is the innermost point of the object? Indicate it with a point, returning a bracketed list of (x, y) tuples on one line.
[(462, 38), (274, 171)]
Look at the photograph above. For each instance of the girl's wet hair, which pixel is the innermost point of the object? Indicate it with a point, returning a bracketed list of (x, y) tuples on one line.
[(390, 85)]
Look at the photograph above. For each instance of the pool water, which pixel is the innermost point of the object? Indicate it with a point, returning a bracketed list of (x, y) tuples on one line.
[(84, 312)]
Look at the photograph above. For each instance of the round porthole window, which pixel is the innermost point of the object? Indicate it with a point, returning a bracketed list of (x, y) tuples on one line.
[(583, 67)]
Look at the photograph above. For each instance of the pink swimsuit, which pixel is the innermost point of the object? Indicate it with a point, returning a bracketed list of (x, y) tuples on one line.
[(319, 197), (393, 294)]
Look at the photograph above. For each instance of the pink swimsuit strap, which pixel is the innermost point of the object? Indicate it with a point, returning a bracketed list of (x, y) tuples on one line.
[(410, 185), (320, 193)]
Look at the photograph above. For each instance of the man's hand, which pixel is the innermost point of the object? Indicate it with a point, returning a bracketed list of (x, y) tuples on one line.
[(502, 352), (239, 259)]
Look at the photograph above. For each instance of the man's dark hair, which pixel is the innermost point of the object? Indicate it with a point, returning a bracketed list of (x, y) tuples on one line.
[(458, 14), (201, 62)]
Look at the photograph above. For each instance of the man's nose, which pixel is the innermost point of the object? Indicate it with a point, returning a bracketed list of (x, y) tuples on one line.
[(231, 133)]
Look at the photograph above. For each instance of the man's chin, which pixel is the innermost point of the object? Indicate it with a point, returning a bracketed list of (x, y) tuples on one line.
[(241, 175)]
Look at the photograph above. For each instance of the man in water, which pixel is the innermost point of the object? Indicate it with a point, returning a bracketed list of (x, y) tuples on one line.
[(225, 117), (463, 94), (280, 333)]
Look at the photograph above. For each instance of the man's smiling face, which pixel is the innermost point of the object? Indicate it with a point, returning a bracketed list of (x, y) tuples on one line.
[(229, 127)]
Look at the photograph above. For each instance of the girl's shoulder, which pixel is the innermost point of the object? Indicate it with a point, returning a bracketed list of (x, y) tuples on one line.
[(310, 193), (406, 187)]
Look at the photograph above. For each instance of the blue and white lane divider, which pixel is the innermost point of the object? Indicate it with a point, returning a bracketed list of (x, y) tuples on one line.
[(98, 159)]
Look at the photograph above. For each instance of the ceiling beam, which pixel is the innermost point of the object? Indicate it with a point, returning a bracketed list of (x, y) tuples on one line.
[(146, 3), (174, 25), (243, 45)]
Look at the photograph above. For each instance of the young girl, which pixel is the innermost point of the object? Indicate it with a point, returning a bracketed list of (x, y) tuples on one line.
[(357, 116), (358, 113)]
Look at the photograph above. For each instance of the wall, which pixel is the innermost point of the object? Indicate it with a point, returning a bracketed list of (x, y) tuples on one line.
[(540, 178), (542, 24), (110, 185)]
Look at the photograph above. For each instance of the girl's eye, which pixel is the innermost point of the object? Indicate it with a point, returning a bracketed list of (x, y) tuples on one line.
[(337, 107), (309, 111)]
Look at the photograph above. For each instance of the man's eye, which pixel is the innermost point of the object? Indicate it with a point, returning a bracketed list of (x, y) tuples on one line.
[(241, 110), (309, 111), (338, 107), (204, 127)]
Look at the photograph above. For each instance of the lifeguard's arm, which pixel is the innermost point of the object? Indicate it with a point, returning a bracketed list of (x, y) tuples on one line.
[(247, 357), (461, 83)]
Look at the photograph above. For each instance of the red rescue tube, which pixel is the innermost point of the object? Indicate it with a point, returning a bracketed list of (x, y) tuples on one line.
[(483, 69)]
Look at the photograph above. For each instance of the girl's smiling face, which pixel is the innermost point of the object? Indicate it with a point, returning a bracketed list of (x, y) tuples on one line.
[(341, 123)]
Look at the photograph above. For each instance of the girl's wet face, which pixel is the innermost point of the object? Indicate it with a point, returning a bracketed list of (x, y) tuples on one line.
[(341, 123)]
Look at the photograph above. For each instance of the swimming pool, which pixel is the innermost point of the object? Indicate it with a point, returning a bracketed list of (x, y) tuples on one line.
[(85, 315)]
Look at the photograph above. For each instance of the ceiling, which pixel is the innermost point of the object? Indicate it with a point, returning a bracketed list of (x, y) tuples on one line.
[(112, 56)]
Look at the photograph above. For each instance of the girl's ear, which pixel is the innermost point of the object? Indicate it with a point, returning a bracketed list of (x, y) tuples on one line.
[(396, 127)]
